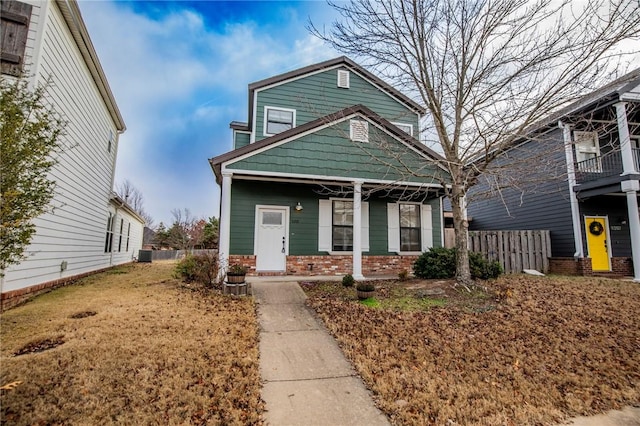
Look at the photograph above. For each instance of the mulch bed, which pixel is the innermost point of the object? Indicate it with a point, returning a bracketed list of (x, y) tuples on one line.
[(525, 351)]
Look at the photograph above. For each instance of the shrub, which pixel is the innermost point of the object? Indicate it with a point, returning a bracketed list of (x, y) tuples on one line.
[(483, 268), (202, 268), (365, 286), (441, 263), (348, 280), (236, 269), (438, 262)]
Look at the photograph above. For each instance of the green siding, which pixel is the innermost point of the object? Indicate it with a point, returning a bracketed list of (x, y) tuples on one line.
[(317, 95), (242, 139), (329, 152), (303, 226)]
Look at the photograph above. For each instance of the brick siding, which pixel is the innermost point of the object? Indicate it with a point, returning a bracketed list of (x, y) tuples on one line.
[(620, 266)]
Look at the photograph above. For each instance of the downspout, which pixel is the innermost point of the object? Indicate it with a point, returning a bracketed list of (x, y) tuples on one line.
[(573, 199)]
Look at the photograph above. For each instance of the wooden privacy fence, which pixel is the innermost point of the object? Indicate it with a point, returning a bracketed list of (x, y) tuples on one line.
[(515, 250)]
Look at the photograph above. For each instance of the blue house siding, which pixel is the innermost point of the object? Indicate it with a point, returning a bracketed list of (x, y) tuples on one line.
[(546, 206)]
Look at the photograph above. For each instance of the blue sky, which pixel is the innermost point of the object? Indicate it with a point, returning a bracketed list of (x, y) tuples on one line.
[(179, 71)]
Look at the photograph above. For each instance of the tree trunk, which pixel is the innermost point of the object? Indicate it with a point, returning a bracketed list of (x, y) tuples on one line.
[(461, 227)]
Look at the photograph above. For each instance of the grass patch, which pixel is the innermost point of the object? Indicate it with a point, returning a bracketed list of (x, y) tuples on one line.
[(131, 346), (525, 351), (370, 302)]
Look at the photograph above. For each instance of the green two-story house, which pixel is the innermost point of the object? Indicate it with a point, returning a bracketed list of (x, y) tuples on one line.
[(328, 177)]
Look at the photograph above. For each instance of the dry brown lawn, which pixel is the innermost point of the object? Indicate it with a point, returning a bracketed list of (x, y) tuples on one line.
[(528, 351), (131, 346)]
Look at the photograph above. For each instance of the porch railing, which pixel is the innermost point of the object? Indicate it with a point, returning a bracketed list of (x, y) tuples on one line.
[(636, 158)]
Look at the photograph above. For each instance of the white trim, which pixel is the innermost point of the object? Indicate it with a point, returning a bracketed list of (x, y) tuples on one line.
[(255, 118), (224, 239), (339, 179), (324, 126), (628, 163), (357, 230), (398, 124), (441, 222), (266, 109), (573, 198)]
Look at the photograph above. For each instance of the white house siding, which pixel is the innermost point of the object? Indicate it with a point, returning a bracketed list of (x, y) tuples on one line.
[(126, 244), (74, 232)]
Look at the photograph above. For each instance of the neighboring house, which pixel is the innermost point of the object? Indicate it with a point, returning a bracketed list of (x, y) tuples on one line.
[(317, 181), (591, 207), (89, 229)]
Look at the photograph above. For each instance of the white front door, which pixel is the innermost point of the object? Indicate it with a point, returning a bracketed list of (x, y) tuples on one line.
[(271, 245)]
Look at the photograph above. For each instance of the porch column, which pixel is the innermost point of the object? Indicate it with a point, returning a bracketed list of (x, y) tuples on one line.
[(225, 222), (631, 187), (357, 230), (625, 142), (573, 199)]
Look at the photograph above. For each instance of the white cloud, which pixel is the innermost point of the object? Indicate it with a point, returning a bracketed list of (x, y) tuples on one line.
[(178, 84)]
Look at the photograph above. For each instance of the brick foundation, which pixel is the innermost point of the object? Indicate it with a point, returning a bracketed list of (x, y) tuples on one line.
[(332, 265), (620, 266), (14, 298)]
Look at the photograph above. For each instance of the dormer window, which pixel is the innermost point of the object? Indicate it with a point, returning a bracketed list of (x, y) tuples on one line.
[(277, 120), (407, 128)]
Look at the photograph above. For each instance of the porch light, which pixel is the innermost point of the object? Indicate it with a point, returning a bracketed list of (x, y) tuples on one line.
[(298, 207)]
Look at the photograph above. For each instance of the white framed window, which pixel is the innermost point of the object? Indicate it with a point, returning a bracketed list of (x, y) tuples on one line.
[(109, 237), (277, 120), (409, 227), (587, 152), (359, 130), (120, 238), (405, 127), (335, 226), (343, 79), (128, 235)]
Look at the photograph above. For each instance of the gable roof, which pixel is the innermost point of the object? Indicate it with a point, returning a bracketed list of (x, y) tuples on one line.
[(216, 162), (332, 63)]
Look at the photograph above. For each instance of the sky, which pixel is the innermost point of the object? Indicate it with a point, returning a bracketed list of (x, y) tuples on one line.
[(179, 71)]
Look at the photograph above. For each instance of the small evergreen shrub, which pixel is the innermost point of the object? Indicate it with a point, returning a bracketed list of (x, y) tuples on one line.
[(186, 269), (483, 268), (438, 262), (348, 280)]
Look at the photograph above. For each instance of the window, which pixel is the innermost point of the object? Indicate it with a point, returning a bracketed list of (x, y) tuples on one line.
[(407, 128), (109, 238), (128, 235), (272, 218), (359, 131), (120, 239), (343, 79), (342, 226), (410, 227), (15, 17), (587, 152), (277, 120), (335, 225)]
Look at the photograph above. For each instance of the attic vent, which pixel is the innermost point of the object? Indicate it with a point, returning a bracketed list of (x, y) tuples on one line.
[(359, 131), (343, 79)]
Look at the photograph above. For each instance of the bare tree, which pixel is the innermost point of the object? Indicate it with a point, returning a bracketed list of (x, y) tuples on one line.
[(134, 198), (487, 70), (181, 233)]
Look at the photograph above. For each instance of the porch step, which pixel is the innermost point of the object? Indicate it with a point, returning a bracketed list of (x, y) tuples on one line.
[(272, 274)]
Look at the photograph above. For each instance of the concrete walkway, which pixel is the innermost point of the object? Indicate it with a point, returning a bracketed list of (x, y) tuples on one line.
[(306, 378)]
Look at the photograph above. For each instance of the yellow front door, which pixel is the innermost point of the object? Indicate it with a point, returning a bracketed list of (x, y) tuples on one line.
[(597, 243)]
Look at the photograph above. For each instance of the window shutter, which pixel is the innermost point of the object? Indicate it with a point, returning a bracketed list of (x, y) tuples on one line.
[(324, 225), (343, 79), (427, 227), (359, 131), (393, 227), (365, 226), (15, 17)]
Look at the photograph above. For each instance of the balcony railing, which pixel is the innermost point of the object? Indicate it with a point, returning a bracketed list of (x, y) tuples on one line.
[(599, 167), (603, 166)]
